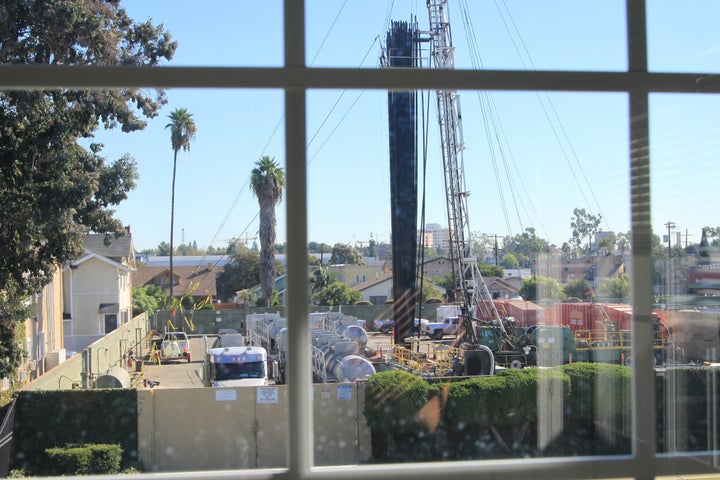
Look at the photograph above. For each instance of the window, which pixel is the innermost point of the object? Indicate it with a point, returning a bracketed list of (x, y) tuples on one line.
[(619, 80)]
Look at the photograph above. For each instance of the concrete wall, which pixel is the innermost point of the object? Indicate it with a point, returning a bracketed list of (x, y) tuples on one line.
[(245, 428), (96, 359)]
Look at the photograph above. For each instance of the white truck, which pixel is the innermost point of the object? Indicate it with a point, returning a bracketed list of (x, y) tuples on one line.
[(244, 366), (449, 322)]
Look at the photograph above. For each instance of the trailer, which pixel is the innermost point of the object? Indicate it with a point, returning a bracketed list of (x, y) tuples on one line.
[(337, 343)]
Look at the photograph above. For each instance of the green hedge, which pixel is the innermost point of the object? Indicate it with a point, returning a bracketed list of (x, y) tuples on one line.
[(688, 396), (586, 400), (50, 419), (499, 416), (85, 459), (393, 400), (585, 410)]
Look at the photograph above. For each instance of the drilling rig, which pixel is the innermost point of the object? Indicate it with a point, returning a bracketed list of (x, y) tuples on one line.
[(470, 288)]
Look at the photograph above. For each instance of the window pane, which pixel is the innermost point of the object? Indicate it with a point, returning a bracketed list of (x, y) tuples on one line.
[(534, 164), (685, 269), (229, 33), (682, 37), (515, 35), (214, 203)]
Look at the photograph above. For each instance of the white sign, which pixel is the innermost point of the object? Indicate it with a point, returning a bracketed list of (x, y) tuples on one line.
[(267, 395), (344, 392), (225, 395)]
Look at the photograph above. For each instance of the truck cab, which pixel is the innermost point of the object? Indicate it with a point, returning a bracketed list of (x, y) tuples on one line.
[(235, 367)]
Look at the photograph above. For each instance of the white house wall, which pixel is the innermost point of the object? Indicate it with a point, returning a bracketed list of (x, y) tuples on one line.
[(93, 282), (379, 290)]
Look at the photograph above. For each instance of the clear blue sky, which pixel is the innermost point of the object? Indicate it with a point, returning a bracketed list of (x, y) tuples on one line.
[(547, 153)]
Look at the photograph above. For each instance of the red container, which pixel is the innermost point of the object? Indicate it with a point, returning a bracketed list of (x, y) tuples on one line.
[(619, 314), (577, 316)]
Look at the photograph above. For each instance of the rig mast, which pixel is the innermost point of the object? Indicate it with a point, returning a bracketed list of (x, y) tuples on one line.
[(470, 288)]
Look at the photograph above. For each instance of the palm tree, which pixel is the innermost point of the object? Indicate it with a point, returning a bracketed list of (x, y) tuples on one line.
[(182, 132), (320, 279), (267, 181)]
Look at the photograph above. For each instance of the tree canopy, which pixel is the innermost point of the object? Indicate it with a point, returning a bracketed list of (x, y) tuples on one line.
[(242, 272), (53, 189), (615, 290), (526, 247), (579, 288), (343, 254), (337, 293), (509, 261), (584, 225), (540, 288)]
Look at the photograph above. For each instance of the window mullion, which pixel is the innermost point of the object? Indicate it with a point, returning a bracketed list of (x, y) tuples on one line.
[(300, 413), (643, 379)]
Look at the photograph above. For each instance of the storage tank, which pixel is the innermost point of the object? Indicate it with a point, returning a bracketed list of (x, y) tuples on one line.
[(116, 377), (357, 334), (351, 368)]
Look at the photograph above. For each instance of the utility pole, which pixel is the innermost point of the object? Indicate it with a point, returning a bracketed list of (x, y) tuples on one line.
[(496, 251), (686, 237), (669, 226)]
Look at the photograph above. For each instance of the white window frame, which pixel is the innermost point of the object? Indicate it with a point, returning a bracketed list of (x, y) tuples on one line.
[(295, 78)]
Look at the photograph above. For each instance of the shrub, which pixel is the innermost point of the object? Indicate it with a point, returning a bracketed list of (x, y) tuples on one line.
[(505, 398), (85, 459), (392, 401), (595, 385)]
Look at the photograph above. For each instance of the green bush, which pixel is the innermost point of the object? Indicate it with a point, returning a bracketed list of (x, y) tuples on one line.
[(393, 400), (503, 399), (48, 419), (85, 459), (687, 395), (598, 385)]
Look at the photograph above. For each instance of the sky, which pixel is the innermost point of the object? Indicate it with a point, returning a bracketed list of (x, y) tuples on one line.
[(531, 158)]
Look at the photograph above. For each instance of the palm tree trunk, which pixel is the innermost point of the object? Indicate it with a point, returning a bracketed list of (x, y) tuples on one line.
[(267, 243), (172, 223)]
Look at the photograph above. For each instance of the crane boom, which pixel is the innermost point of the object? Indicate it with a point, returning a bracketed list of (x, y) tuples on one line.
[(470, 286)]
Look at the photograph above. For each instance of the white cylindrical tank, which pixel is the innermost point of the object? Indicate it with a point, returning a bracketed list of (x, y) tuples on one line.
[(116, 377), (357, 334), (352, 368)]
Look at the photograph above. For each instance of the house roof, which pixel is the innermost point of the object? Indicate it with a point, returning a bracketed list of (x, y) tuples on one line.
[(497, 284), (119, 249), (101, 258), (436, 259), (373, 281), (198, 281), (183, 260)]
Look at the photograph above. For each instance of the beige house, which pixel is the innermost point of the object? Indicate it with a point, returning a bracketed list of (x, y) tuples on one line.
[(356, 274), (97, 289), (377, 290), (437, 267), (380, 289), (44, 332)]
